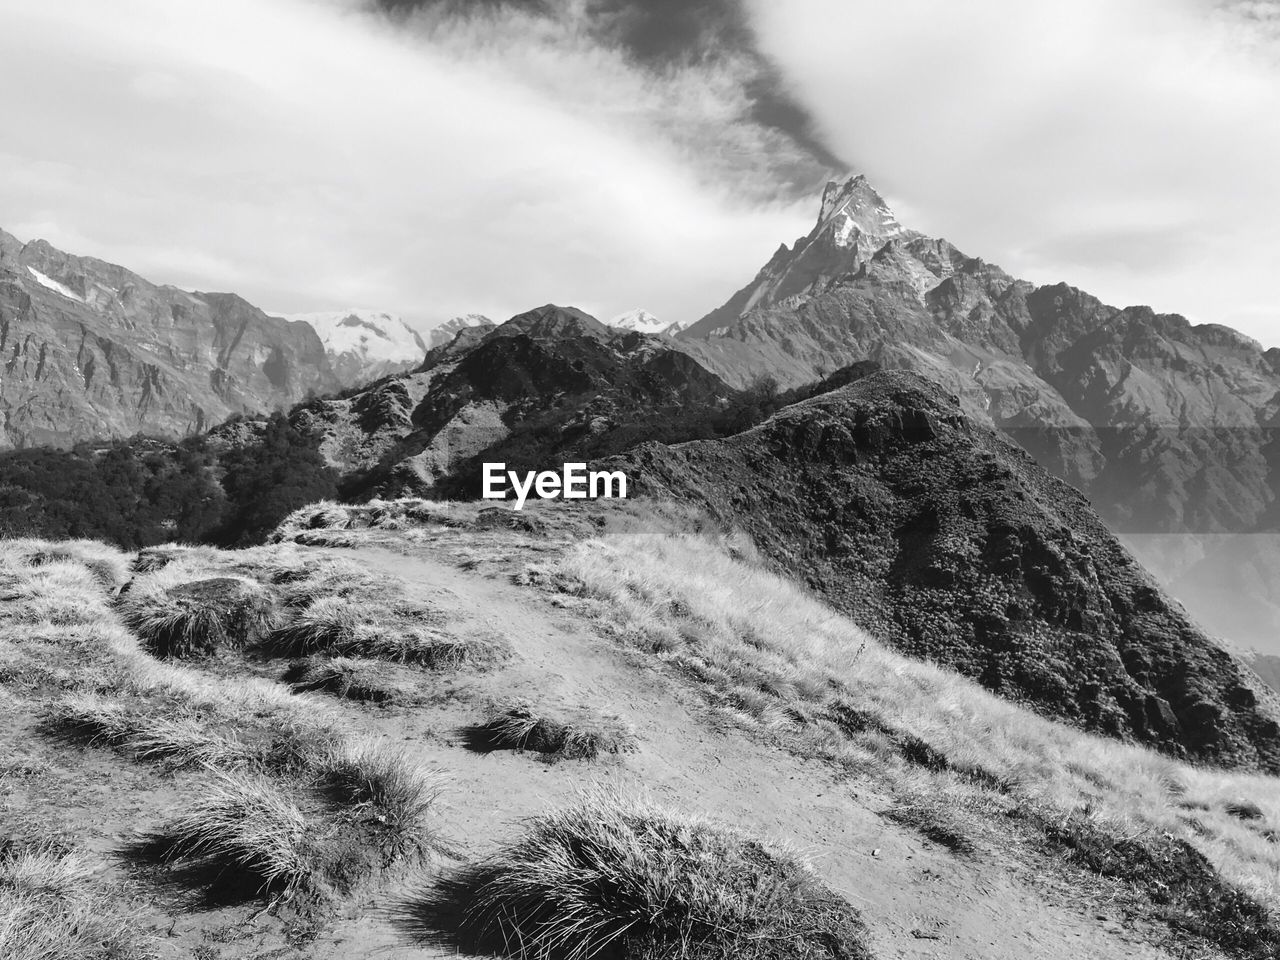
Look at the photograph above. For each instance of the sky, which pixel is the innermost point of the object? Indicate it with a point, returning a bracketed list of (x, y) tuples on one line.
[(441, 157)]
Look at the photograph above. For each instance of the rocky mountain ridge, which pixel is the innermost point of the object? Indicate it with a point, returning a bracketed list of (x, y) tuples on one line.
[(90, 349), (948, 541), (554, 370), (1167, 426)]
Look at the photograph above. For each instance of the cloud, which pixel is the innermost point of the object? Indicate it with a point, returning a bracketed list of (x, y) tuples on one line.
[(1126, 146), (666, 37), (309, 156), (436, 157)]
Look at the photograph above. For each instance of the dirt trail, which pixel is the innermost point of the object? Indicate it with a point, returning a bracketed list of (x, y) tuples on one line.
[(919, 900)]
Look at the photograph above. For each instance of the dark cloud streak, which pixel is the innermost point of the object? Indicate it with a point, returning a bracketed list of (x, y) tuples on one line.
[(659, 35)]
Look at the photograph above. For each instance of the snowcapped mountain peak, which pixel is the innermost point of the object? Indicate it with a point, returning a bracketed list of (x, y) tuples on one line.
[(449, 329), (642, 321), (365, 344), (853, 208)]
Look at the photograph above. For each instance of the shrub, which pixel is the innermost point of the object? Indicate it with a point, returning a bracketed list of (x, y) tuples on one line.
[(580, 734), (199, 618), (643, 882)]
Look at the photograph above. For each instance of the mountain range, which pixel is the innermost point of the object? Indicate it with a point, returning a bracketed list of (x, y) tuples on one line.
[(545, 382), (90, 349), (1164, 426), (364, 345), (876, 489), (642, 321), (1167, 426)]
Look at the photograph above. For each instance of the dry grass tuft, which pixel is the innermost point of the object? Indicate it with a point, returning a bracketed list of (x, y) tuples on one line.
[(1192, 896), (342, 627), (51, 909), (934, 821), (200, 617), (247, 822), (616, 878), (108, 566), (396, 793), (352, 678), (180, 739), (575, 735), (154, 559), (294, 807)]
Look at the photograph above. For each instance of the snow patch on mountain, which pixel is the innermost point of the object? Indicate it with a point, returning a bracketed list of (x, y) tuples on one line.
[(450, 328), (642, 321), (54, 285), (373, 337)]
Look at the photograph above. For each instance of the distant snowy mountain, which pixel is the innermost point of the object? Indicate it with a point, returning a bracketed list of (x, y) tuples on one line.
[(642, 321), (449, 329), (364, 345)]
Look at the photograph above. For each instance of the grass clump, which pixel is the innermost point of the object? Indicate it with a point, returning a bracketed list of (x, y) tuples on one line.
[(108, 566), (341, 627), (350, 678), (179, 739), (576, 735), (1187, 892), (247, 823), (51, 909), (200, 617), (607, 877), (350, 811), (396, 794), (933, 821), (193, 735)]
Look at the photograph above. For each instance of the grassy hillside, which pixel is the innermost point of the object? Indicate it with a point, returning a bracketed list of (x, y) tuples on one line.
[(1190, 847), (416, 729)]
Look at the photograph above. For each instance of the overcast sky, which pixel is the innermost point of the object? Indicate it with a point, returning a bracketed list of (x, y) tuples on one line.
[(437, 157)]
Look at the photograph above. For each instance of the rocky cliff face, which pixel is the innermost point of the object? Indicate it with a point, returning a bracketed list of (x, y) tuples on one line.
[(951, 543), (1167, 426), (90, 350)]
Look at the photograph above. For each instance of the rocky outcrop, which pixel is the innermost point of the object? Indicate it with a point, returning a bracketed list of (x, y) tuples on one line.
[(948, 541), (90, 350)]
